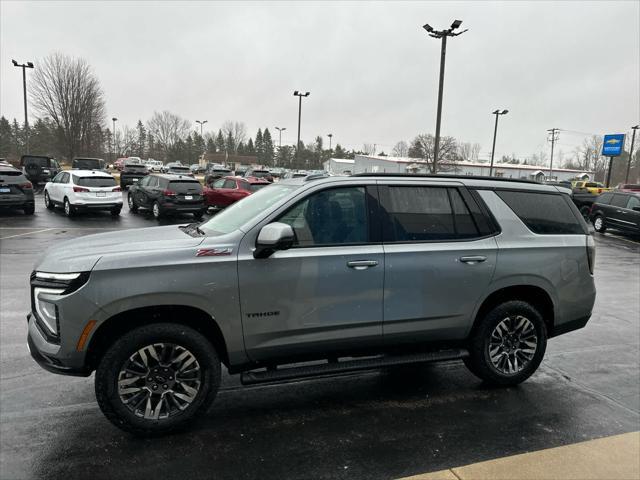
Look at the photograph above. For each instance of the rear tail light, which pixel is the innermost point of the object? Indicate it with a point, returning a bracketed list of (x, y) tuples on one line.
[(80, 189), (591, 253), (26, 186), (117, 189), (168, 193)]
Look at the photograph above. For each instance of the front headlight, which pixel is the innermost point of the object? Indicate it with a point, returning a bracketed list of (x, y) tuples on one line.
[(47, 312)]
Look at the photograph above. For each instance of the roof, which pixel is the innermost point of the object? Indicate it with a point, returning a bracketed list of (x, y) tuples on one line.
[(507, 166), (173, 176), (89, 173), (7, 167), (343, 160)]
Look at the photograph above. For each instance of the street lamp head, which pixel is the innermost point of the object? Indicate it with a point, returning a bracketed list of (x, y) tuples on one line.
[(456, 24), (295, 92), (636, 127), (307, 94), (496, 112), (29, 65), (504, 112), (428, 27), (114, 119)]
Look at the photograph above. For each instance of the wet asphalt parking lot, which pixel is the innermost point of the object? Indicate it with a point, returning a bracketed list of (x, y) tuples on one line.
[(377, 425)]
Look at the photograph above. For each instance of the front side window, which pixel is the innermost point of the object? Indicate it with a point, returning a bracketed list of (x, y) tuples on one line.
[(619, 200), (337, 216), (605, 198), (422, 214), (634, 202)]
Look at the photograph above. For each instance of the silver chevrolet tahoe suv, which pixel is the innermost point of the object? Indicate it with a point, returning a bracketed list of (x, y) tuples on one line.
[(314, 276)]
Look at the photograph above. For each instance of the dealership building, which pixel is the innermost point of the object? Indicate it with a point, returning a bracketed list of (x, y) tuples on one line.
[(378, 164)]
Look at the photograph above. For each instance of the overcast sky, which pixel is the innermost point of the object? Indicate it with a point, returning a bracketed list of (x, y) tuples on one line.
[(371, 69)]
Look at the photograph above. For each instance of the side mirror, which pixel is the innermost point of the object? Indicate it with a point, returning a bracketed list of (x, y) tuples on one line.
[(272, 237)]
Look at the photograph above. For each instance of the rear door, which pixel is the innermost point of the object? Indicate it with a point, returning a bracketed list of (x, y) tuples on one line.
[(439, 260), (617, 212), (632, 217)]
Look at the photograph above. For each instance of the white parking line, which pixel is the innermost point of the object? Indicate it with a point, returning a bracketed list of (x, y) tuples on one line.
[(27, 233)]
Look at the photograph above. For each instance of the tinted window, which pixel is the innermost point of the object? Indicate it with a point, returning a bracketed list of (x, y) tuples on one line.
[(418, 214), (94, 181), (10, 173), (42, 161), (184, 186), (633, 202), (605, 198), (619, 200), (144, 182), (254, 187), (229, 184), (330, 217), (259, 174), (180, 169), (543, 213), (87, 163), (64, 178)]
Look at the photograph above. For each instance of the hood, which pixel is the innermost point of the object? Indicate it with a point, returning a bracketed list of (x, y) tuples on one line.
[(81, 254)]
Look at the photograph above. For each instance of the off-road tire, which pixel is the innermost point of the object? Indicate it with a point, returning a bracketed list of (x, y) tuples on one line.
[(479, 361), (106, 378)]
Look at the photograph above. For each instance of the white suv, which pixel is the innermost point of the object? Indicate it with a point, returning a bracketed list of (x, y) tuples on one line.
[(154, 165), (79, 190)]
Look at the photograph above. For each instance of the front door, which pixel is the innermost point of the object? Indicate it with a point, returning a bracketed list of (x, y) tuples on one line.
[(325, 293), (437, 266)]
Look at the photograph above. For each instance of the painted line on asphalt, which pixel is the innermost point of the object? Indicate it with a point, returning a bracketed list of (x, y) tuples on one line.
[(27, 233)]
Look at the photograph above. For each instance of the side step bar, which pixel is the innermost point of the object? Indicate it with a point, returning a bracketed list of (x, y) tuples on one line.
[(291, 373)]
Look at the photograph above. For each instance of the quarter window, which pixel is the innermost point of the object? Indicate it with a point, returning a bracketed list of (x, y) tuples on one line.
[(422, 214), (336, 216)]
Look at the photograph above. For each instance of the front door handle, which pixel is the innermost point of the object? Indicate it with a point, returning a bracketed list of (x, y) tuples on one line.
[(362, 264), (473, 259)]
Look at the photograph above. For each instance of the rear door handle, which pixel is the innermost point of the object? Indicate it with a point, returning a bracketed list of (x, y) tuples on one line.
[(472, 259), (362, 264)]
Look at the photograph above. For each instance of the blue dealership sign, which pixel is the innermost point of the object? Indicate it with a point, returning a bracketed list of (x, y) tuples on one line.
[(613, 145)]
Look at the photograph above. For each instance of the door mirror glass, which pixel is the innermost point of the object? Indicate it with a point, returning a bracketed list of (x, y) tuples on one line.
[(272, 237)]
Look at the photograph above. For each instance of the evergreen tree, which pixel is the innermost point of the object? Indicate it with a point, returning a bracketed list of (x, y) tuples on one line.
[(142, 139), (5, 138), (259, 146), (17, 139), (339, 152), (230, 143), (211, 145), (189, 150), (267, 147), (250, 149), (241, 149), (220, 142)]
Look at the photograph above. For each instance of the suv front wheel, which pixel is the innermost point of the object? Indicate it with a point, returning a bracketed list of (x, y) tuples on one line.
[(157, 378), (508, 344)]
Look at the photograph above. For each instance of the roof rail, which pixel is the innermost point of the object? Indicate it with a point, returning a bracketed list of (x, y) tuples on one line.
[(433, 175), (315, 176)]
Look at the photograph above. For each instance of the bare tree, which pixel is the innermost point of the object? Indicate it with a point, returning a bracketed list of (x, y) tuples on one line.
[(475, 152), (423, 145), (369, 149), (401, 149), (236, 133), (464, 151), (66, 90), (168, 129)]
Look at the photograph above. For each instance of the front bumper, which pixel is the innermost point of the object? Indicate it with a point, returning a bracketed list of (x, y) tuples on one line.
[(47, 354)]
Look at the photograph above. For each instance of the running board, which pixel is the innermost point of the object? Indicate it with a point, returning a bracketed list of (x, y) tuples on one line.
[(291, 373)]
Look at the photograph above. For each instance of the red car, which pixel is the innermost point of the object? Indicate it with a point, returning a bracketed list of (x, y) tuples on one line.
[(628, 188), (227, 190)]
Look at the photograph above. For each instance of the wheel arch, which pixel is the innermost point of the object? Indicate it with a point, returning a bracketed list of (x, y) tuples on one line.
[(117, 325), (537, 296)]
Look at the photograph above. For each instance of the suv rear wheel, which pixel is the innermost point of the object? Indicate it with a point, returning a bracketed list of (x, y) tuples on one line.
[(508, 344), (157, 378)]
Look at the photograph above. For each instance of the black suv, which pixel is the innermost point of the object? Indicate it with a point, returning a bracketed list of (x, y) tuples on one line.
[(39, 169), (617, 210), (88, 164), (131, 174), (166, 193), (15, 190), (215, 171)]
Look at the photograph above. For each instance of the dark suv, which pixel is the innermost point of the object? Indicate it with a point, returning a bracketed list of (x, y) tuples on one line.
[(132, 173), (165, 193), (88, 164), (15, 190), (616, 210), (39, 169)]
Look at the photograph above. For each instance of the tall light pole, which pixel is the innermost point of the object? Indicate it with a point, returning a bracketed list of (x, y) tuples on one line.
[(201, 124), (554, 137), (299, 95), (497, 113), (633, 140), (114, 120), (442, 34), (24, 66), (330, 135), (280, 130)]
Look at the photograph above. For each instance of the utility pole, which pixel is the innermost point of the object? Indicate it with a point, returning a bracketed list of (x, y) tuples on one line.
[(441, 34), (497, 113), (280, 129), (330, 135), (633, 139), (299, 95), (555, 132), (114, 119), (24, 66)]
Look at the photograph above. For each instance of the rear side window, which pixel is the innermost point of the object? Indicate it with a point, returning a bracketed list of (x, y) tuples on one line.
[(543, 213), (620, 200), (605, 198), (182, 186), (10, 174), (94, 181), (634, 202), (418, 214)]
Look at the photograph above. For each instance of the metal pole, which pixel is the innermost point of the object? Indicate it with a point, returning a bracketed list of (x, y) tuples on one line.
[(26, 120), (493, 149), (633, 139), (609, 172), (299, 118), (330, 138), (553, 142), (280, 138), (114, 139), (436, 148)]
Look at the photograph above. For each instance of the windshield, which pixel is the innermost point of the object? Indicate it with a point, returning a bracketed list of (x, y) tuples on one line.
[(179, 169), (233, 217), (260, 174), (87, 163), (42, 161), (184, 186), (94, 181)]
